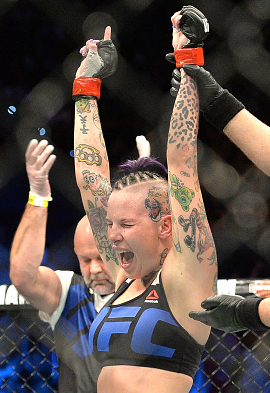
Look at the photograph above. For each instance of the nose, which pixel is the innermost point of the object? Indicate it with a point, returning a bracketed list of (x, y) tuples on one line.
[(114, 234), (95, 266)]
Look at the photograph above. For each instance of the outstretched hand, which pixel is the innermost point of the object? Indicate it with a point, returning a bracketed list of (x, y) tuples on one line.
[(39, 160), (220, 313), (101, 57)]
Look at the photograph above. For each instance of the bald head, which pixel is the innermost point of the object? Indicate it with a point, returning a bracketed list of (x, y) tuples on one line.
[(83, 232), (94, 271)]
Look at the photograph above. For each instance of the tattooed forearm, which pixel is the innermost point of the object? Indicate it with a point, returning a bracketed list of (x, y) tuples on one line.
[(86, 106), (184, 120), (88, 154), (96, 184), (83, 121)]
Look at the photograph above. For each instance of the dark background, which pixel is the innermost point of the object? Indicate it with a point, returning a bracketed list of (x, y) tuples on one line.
[(39, 49)]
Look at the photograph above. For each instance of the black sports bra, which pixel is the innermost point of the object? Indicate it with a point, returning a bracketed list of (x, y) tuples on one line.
[(143, 332)]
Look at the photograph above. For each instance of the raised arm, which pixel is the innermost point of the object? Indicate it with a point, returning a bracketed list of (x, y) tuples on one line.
[(91, 160), (194, 247), (38, 284)]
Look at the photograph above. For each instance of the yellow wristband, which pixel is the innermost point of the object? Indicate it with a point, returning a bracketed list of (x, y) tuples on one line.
[(39, 201)]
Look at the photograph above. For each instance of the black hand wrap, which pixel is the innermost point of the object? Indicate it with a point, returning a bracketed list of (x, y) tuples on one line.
[(194, 25), (108, 53)]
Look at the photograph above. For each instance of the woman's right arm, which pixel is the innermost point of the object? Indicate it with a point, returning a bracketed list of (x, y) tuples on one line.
[(91, 162)]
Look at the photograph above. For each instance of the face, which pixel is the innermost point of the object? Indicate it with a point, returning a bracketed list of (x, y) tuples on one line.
[(94, 271), (133, 234)]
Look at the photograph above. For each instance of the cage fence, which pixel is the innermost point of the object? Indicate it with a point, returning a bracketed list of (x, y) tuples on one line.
[(231, 363)]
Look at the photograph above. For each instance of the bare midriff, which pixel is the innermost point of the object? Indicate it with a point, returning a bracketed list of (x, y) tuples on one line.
[(134, 379)]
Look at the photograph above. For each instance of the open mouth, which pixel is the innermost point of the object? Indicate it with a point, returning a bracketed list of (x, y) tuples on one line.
[(126, 257)]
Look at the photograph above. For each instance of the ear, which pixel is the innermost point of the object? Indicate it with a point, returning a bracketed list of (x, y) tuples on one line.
[(165, 229)]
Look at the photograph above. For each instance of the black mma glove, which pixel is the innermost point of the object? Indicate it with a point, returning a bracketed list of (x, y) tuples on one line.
[(95, 66), (194, 26), (230, 313), (107, 52)]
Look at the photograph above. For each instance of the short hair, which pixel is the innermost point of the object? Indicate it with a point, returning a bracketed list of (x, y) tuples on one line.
[(137, 171)]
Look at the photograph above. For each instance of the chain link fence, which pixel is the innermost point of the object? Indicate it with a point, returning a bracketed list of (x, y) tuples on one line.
[(231, 362), (27, 359), (235, 363)]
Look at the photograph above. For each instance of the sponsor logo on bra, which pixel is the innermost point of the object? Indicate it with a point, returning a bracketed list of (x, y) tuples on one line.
[(152, 297)]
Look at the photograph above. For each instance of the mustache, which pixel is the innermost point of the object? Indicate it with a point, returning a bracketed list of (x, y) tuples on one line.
[(99, 276)]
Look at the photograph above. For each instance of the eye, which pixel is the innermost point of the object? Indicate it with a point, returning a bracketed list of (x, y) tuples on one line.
[(86, 261), (109, 224), (126, 225)]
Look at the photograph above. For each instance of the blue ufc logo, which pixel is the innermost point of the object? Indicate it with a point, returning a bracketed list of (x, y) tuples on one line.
[(142, 334)]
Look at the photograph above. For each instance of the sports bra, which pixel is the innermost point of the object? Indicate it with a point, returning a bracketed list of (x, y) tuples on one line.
[(143, 332)]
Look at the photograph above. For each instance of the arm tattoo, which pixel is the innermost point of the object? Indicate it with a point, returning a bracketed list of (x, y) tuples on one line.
[(97, 219), (85, 105), (184, 119), (88, 154), (83, 121), (182, 194), (197, 222), (96, 184)]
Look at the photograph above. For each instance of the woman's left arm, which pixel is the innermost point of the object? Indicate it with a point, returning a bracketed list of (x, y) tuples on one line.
[(193, 242), (193, 264)]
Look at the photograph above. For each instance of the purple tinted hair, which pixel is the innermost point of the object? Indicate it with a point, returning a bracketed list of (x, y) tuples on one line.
[(144, 167)]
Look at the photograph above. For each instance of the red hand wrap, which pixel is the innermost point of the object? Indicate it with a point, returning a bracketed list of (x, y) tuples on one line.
[(86, 86), (189, 56)]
